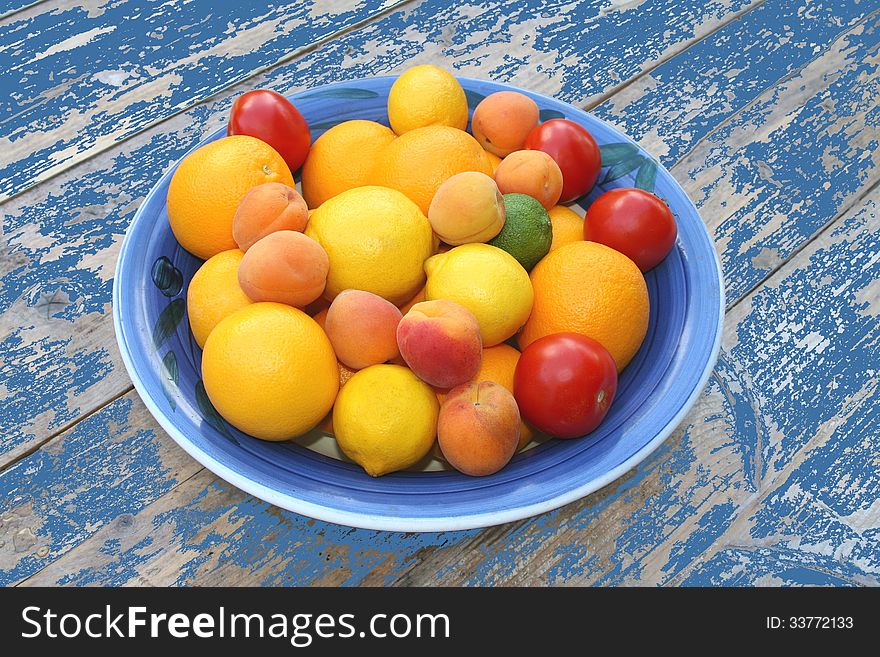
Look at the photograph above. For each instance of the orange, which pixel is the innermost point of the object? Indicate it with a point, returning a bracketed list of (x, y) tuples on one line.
[(345, 373), (591, 289), (568, 226), (493, 159), (270, 371), (419, 161), (214, 293), (210, 182), (498, 365), (341, 159), (418, 298)]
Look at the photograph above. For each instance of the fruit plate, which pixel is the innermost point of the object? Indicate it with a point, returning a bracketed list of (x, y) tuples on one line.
[(655, 391)]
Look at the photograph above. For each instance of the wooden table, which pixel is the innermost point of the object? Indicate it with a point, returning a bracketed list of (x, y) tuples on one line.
[(766, 111)]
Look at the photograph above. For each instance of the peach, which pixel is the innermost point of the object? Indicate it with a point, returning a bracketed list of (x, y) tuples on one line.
[(503, 120), (265, 209), (285, 266), (478, 428), (440, 341), (362, 328), (467, 208), (531, 172)]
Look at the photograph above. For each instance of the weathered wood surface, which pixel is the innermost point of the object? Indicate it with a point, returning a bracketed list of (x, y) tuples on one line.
[(700, 511), (771, 125), (62, 238), (80, 77)]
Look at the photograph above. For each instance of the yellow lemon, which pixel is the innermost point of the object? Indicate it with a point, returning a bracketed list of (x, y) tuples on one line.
[(426, 95), (214, 293), (270, 371), (377, 240), (487, 281), (385, 418)]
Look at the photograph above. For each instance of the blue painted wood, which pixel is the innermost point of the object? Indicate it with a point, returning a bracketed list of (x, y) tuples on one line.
[(809, 504), (82, 78), (9, 7), (56, 498), (79, 221)]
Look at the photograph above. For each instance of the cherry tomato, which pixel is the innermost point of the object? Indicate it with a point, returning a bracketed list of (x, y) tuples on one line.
[(634, 222), (269, 116), (564, 384), (575, 151)]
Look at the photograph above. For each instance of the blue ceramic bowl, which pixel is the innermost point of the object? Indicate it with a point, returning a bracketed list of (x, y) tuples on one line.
[(654, 393)]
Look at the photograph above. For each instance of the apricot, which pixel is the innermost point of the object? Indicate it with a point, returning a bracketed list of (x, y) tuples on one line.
[(531, 172), (478, 428), (503, 120), (467, 208), (362, 328), (265, 209), (440, 341), (285, 266)]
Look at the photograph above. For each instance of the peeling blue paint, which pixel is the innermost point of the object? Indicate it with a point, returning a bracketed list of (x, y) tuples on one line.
[(104, 468)]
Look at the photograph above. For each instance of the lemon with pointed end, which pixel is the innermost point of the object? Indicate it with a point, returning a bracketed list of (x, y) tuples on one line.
[(426, 95), (385, 419), (487, 281)]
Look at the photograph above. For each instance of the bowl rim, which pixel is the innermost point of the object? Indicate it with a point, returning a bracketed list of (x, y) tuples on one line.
[(409, 523)]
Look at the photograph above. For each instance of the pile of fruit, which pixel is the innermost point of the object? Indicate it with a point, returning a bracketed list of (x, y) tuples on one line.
[(428, 291)]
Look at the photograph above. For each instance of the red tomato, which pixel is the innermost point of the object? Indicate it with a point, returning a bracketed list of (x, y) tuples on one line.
[(575, 151), (634, 222), (564, 384), (269, 116)]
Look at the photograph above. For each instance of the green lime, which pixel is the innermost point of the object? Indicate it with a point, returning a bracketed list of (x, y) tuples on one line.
[(527, 232)]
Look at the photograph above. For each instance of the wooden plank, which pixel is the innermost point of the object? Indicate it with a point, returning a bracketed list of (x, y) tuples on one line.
[(674, 506), (104, 470), (819, 526), (9, 8), (793, 158), (61, 239), (819, 339), (80, 78)]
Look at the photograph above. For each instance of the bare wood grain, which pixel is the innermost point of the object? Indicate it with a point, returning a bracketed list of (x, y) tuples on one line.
[(80, 77), (645, 528), (61, 239)]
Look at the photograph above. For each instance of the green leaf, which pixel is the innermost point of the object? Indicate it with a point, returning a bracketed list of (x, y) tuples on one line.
[(171, 370), (166, 277), (548, 114), (172, 375), (341, 92), (647, 176), (210, 413), (473, 98), (621, 169), (616, 153), (168, 321)]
